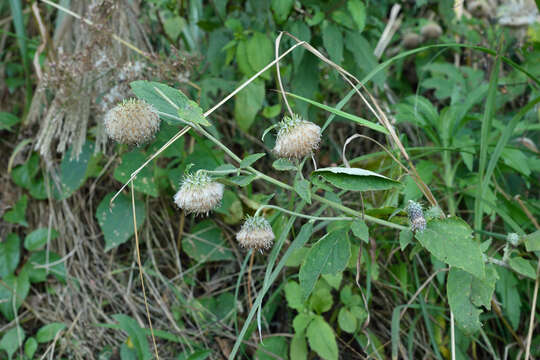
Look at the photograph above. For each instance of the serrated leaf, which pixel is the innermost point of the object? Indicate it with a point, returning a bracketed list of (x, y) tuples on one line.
[(360, 230), (145, 181), (322, 339), (250, 159), (303, 188), (281, 9), (260, 52), (116, 222), (321, 299), (12, 340), (283, 165), (522, 267), (347, 321), (48, 332), (532, 241), (328, 256), (38, 238), (9, 254), (333, 42), (356, 179), (357, 9), (247, 104), (450, 240), (293, 294)]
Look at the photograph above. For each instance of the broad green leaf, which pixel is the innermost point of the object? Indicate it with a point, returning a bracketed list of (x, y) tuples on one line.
[(301, 322), (145, 181), (192, 112), (13, 291), (136, 335), (275, 345), (321, 299), (36, 270), (9, 254), (343, 114), (48, 332), (206, 243), (328, 256), (37, 239), (116, 221), (360, 230), (7, 120), (356, 179), (334, 280), (303, 188), (357, 9), (30, 347), (12, 340), (247, 104), (522, 267), (321, 338), (242, 59), (173, 26), (333, 42), (405, 238), (250, 159), (532, 241), (450, 240), (298, 349), (73, 171), (281, 9), (508, 291), (467, 294), (347, 321), (17, 214), (293, 294), (260, 52), (283, 165)]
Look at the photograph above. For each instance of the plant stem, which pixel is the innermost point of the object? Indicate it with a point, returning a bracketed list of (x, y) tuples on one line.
[(301, 215)]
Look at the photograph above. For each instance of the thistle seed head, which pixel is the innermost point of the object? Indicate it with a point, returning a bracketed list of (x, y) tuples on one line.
[(416, 216), (296, 137), (411, 40), (431, 30), (198, 194), (256, 233), (513, 239), (132, 122)]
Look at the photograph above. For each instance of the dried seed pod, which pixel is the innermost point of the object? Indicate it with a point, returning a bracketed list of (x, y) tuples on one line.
[(411, 40), (256, 233), (198, 194), (132, 122), (479, 8), (296, 137), (431, 30), (416, 216)]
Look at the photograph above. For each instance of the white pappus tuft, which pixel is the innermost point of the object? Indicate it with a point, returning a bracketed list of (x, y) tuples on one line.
[(416, 216), (256, 233), (132, 122), (296, 137), (198, 193)]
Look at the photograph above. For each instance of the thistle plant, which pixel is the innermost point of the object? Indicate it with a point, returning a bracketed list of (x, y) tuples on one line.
[(416, 216), (198, 193), (256, 233), (296, 137), (132, 122)]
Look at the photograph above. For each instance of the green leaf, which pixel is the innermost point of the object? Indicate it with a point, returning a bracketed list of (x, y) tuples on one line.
[(12, 340), (270, 112), (357, 9), (30, 347), (523, 267), (9, 254), (321, 299), (13, 291), (532, 241), (507, 288), (347, 321), (248, 103), (38, 238), (242, 180), (242, 59), (322, 339), (260, 53), (281, 9), (343, 114), (136, 335), (206, 243), (250, 159), (298, 349), (195, 355), (192, 112), (48, 332), (328, 256), (38, 273), (405, 238), (73, 171), (275, 345), (466, 294), (7, 120), (356, 179), (360, 230), (450, 240), (116, 221), (283, 165), (303, 188), (293, 294), (333, 42), (17, 214), (145, 181), (173, 26)]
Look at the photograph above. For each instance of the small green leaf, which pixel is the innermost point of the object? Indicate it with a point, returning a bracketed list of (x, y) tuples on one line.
[(333, 42), (273, 347), (347, 321), (281, 9), (522, 267), (322, 339), (30, 347), (192, 112), (145, 181), (260, 52), (270, 112), (73, 171), (356, 179), (293, 294), (38, 273), (48, 332), (116, 221), (12, 340), (206, 243), (360, 230), (303, 188), (242, 180), (7, 120), (298, 349), (195, 355), (38, 238), (450, 240), (532, 241), (328, 256), (13, 285), (405, 238), (248, 103), (250, 159), (9, 254), (173, 26), (283, 165), (321, 299), (17, 214), (136, 335), (357, 9)]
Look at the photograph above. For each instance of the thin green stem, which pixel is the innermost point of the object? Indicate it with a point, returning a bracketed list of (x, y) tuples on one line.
[(301, 215)]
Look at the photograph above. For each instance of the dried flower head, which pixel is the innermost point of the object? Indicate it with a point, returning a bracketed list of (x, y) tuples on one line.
[(198, 193), (513, 239), (411, 40), (296, 137), (132, 122), (416, 216), (431, 30), (256, 233)]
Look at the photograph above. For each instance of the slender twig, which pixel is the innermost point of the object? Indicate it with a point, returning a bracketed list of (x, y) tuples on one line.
[(533, 312)]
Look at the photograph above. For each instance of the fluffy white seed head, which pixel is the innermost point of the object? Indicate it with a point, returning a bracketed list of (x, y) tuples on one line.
[(431, 30), (256, 233), (132, 122), (513, 239), (296, 138), (416, 216), (198, 194)]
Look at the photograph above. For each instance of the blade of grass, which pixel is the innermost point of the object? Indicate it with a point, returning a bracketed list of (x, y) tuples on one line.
[(484, 142)]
